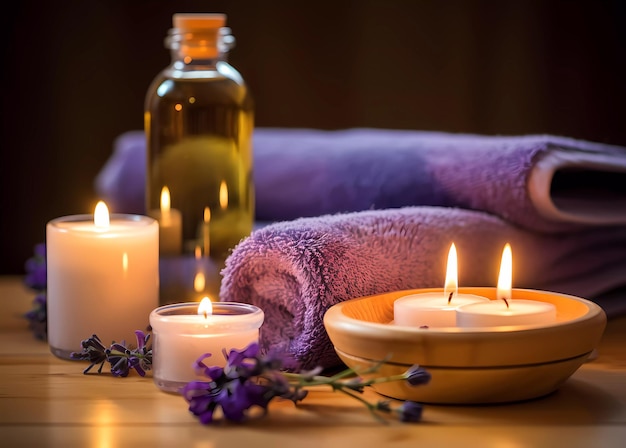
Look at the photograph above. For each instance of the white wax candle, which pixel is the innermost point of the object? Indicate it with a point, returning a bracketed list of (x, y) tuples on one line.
[(495, 313), (102, 279), (431, 309), (181, 336)]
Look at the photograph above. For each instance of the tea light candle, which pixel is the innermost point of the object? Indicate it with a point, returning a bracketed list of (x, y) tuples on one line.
[(170, 225), (496, 313), (435, 309), (183, 332), (103, 277), (504, 310)]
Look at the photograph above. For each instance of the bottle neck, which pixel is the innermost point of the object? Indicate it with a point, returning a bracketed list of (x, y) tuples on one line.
[(190, 49)]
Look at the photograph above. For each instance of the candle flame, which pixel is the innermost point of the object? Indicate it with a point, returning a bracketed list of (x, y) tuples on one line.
[(197, 252), (166, 201), (452, 276), (505, 279), (206, 236), (101, 215), (199, 282), (205, 308), (166, 204), (223, 195)]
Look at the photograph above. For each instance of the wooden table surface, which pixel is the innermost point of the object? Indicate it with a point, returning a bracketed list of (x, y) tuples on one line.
[(46, 401)]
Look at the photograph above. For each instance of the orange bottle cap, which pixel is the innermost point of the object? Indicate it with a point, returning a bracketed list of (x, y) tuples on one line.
[(195, 21)]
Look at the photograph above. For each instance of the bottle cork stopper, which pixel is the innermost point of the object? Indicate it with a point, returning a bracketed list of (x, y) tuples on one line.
[(194, 21)]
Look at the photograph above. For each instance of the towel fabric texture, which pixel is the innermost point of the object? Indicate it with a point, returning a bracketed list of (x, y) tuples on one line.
[(534, 181), (367, 211)]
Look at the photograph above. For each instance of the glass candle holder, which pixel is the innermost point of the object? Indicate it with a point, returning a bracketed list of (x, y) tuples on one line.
[(181, 336)]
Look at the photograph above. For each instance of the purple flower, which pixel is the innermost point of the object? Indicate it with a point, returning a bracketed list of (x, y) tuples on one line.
[(245, 362), (142, 355), (93, 351), (212, 372), (410, 411), (248, 381), (118, 356), (121, 358), (37, 317), (36, 273), (251, 380), (36, 279), (417, 376), (202, 399), (243, 396)]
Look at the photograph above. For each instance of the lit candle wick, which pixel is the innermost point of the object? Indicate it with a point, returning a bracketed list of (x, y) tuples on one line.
[(101, 217), (505, 278), (205, 308), (452, 277)]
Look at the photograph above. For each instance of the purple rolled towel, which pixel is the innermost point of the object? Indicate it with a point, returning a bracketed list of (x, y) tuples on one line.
[(540, 182), (296, 270)]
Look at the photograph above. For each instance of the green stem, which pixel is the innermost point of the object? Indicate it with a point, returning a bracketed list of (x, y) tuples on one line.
[(125, 355), (386, 379), (298, 379), (318, 380), (370, 406)]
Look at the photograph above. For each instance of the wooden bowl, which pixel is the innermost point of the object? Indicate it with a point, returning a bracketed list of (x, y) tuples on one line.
[(468, 365)]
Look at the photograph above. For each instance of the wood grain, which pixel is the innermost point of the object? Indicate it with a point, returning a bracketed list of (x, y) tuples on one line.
[(46, 401)]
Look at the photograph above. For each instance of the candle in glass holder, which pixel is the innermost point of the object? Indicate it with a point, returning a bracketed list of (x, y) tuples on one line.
[(505, 311), (183, 332), (103, 277), (435, 309)]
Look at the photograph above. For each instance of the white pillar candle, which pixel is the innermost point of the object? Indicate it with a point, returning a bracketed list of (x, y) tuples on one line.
[(103, 278), (170, 226), (183, 332), (435, 309), (496, 313)]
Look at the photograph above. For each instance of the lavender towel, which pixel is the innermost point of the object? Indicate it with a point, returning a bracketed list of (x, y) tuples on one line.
[(296, 270), (540, 182)]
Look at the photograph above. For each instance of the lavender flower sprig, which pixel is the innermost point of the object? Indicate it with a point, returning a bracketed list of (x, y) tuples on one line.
[(121, 358), (250, 381), (36, 279)]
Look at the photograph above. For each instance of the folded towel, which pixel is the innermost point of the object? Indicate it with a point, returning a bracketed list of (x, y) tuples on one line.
[(540, 182), (296, 270)]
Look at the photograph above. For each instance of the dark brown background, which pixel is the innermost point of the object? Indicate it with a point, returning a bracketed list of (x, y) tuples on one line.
[(74, 75)]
